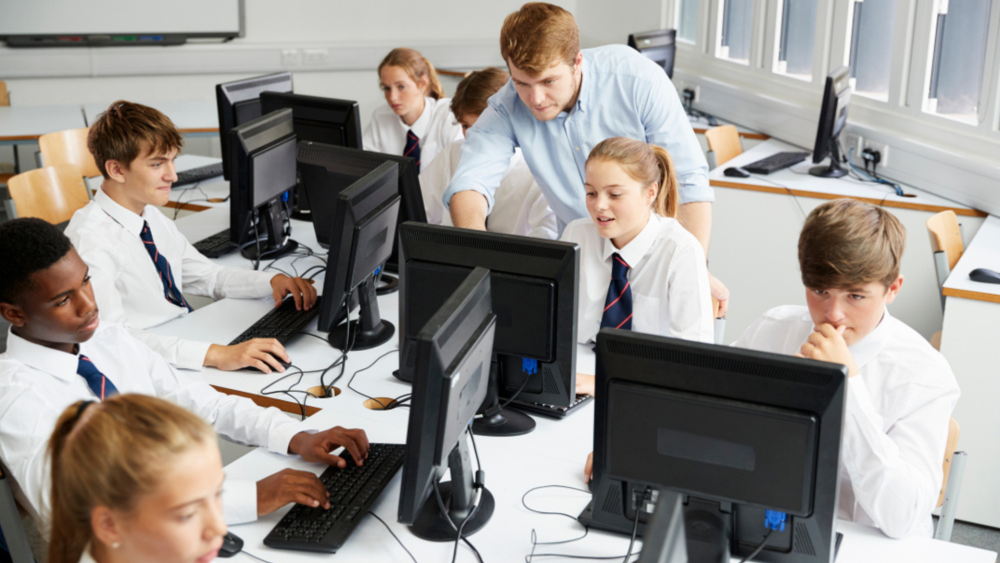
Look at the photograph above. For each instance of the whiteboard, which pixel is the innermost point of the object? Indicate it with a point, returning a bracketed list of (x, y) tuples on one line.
[(91, 17)]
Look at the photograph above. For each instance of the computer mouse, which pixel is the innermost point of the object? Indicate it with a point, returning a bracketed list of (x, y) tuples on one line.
[(231, 545), (984, 275), (736, 172)]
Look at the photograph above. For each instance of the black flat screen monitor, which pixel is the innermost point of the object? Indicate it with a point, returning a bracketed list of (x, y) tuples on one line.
[(658, 45), (363, 230), (320, 120), (263, 155), (832, 118), (534, 285), (239, 102), (736, 431), (453, 351), (327, 169)]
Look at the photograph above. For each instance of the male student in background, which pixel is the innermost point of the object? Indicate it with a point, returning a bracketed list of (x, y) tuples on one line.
[(559, 104)]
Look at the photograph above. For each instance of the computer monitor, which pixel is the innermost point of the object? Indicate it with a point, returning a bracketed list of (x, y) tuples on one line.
[(239, 102), (832, 118), (453, 361), (362, 219), (534, 286), (262, 152), (665, 535), (658, 45), (736, 431)]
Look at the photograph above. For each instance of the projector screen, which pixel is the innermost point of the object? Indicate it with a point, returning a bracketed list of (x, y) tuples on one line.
[(106, 17)]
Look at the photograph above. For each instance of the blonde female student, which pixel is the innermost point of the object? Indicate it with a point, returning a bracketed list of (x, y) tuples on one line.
[(416, 120), (639, 268), (134, 478)]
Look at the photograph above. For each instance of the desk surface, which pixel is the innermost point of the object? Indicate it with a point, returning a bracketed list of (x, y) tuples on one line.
[(798, 181), (189, 116), (701, 125), (27, 123), (982, 252)]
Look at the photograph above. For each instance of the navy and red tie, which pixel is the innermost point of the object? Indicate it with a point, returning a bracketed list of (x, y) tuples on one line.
[(412, 148), (170, 290), (98, 383), (618, 305)]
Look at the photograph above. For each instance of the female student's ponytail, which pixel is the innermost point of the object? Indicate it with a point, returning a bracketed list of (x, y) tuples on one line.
[(416, 66), (111, 454), (646, 164)]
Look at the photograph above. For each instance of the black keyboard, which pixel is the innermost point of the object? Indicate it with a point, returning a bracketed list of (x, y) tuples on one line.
[(552, 411), (215, 245), (281, 323), (353, 490), (195, 175), (775, 162)]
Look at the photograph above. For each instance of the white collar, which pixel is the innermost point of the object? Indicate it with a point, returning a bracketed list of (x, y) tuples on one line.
[(423, 122), (866, 349), (51, 361), (633, 252), (124, 217)]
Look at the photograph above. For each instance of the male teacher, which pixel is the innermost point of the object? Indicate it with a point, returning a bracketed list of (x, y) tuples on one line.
[(559, 104)]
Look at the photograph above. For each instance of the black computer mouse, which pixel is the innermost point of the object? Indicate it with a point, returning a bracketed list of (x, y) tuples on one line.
[(984, 275), (231, 545), (736, 172)]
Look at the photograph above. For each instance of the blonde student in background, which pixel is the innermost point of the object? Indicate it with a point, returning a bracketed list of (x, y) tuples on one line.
[(520, 207), (640, 269), (135, 478), (416, 120)]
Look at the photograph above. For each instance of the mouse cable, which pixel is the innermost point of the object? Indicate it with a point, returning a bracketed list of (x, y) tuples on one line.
[(245, 552), (759, 548), (394, 536), (635, 530), (392, 403)]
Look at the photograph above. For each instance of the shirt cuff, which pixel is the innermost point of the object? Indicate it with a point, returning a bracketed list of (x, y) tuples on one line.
[(191, 354), (239, 501), (281, 436), (262, 285), (449, 193), (696, 189)]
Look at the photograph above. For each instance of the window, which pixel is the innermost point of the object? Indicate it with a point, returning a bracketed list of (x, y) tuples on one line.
[(872, 31), (737, 26), (797, 25), (687, 20), (959, 51)]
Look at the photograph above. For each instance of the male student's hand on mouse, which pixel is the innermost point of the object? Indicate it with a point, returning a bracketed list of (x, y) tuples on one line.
[(302, 291), (827, 344), (585, 384), (316, 446), (260, 353)]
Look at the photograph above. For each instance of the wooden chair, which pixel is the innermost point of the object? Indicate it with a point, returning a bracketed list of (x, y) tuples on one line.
[(724, 143), (4, 94), (720, 322), (52, 193), (69, 147), (946, 243), (10, 523), (951, 487)]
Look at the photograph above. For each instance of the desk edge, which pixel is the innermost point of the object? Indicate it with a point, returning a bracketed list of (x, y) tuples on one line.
[(262, 401)]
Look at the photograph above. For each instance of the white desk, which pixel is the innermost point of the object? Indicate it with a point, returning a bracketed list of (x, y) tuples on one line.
[(969, 340), (25, 124), (191, 117)]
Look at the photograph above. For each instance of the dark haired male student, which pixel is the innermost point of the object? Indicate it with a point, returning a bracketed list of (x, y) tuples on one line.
[(58, 353)]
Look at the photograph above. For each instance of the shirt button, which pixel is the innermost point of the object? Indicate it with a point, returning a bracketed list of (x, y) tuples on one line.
[(577, 148)]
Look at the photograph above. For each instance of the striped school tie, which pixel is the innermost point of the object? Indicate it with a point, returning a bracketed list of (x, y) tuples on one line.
[(618, 305), (163, 268), (412, 148), (98, 383)]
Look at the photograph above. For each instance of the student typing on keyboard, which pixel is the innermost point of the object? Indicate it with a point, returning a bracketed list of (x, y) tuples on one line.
[(139, 261)]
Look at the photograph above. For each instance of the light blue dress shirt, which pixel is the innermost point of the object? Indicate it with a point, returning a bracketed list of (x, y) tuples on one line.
[(623, 94)]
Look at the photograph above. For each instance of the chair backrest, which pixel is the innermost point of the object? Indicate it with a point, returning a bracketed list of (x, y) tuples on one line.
[(946, 236), (52, 193), (949, 452), (69, 147), (4, 94), (724, 141)]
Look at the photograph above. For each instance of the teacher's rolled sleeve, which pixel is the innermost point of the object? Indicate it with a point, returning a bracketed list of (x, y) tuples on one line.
[(485, 155)]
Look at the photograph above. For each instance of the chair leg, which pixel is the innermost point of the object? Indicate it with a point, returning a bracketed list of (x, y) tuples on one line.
[(720, 330), (947, 520)]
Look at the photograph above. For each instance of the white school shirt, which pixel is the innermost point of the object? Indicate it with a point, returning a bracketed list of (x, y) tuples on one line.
[(37, 384), (895, 425), (436, 128), (520, 208), (127, 286), (667, 275)]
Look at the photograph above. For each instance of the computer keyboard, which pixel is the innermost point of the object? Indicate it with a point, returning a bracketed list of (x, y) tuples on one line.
[(281, 323), (552, 411), (353, 490), (215, 245), (198, 174), (775, 162)]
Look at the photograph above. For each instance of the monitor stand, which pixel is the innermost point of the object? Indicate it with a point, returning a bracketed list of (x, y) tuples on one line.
[(833, 170), (497, 421), (457, 496), (369, 330), (273, 244)]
